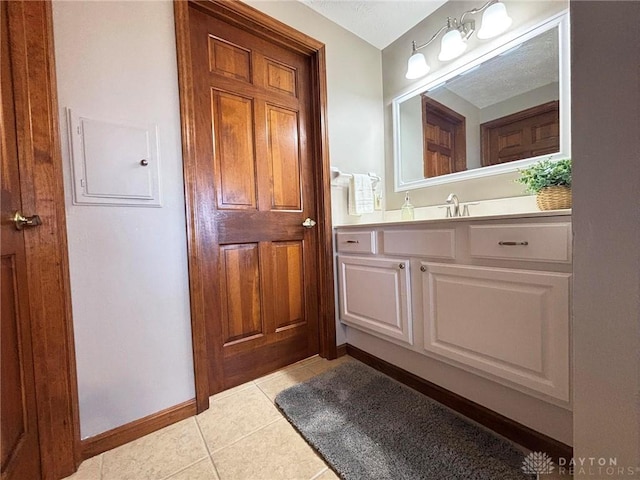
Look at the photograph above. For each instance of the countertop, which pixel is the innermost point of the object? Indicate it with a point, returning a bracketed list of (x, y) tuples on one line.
[(506, 216)]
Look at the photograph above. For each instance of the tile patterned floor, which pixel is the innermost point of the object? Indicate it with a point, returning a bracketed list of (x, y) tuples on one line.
[(242, 436)]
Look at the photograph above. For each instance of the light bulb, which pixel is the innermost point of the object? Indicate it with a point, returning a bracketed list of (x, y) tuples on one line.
[(452, 45), (417, 66), (494, 21)]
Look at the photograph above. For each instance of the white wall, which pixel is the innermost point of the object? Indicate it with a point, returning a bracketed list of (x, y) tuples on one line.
[(354, 91), (394, 62), (117, 61), (411, 143), (532, 98), (606, 225)]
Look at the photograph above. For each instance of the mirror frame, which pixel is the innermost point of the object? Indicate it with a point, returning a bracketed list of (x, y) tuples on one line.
[(561, 21)]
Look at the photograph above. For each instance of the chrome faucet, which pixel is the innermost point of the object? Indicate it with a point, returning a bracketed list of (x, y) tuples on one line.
[(453, 199)]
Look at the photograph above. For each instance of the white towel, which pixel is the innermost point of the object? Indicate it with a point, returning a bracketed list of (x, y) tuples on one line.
[(360, 194)]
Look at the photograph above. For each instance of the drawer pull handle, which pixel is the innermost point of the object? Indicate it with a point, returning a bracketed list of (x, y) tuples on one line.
[(352, 241), (401, 266), (511, 244), (423, 268)]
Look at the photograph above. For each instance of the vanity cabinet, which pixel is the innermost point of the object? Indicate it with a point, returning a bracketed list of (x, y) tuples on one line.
[(375, 296), (490, 296), (511, 323)]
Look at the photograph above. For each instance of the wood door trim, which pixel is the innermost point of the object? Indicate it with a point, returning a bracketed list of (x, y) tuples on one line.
[(522, 115), (113, 438), (35, 93), (248, 18), (256, 22)]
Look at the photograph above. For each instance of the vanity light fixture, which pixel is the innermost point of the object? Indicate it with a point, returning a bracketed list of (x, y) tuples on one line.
[(454, 42), (495, 20)]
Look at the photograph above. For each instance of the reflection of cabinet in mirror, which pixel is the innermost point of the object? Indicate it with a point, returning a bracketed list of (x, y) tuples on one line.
[(525, 134), (444, 137)]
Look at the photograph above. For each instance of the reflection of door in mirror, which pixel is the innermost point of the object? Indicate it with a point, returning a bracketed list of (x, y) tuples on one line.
[(444, 139), (518, 92), (525, 134)]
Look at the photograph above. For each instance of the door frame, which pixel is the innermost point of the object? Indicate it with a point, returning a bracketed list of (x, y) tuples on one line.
[(249, 19), (41, 179)]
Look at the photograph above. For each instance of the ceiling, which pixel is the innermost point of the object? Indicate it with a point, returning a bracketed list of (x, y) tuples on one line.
[(379, 22), (531, 65)]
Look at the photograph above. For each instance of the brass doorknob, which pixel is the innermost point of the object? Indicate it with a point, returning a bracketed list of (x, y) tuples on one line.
[(21, 221), (308, 223)]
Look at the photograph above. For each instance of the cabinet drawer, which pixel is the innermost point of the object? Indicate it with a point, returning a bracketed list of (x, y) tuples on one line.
[(548, 242), (421, 243), (356, 242)]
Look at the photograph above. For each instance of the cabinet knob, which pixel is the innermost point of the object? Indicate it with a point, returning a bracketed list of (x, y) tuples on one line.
[(401, 266), (423, 268), (512, 244)]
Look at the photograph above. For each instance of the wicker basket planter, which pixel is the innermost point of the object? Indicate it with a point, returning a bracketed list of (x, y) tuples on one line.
[(554, 198)]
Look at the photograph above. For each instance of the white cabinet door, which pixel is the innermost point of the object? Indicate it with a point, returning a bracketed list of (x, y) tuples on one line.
[(374, 296), (513, 324)]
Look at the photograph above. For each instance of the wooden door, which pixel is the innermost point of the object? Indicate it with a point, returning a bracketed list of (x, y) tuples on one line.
[(444, 139), (255, 172), (19, 445), (529, 133)]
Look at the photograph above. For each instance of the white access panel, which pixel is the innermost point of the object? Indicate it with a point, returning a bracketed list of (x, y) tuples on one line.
[(113, 163)]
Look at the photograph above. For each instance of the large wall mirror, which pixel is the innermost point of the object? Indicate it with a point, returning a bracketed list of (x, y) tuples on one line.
[(498, 113)]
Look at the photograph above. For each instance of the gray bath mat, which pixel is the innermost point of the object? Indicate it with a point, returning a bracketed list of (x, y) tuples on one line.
[(368, 426)]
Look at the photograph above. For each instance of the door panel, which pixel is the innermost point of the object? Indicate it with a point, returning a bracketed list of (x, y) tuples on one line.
[(14, 415), (240, 285), (261, 311), (283, 153), (280, 77), (19, 443), (228, 59), (288, 284), (233, 152)]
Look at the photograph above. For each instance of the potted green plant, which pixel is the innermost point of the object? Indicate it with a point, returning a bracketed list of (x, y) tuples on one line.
[(550, 181)]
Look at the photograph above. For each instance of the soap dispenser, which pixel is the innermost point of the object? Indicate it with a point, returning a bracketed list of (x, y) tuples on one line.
[(406, 213)]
